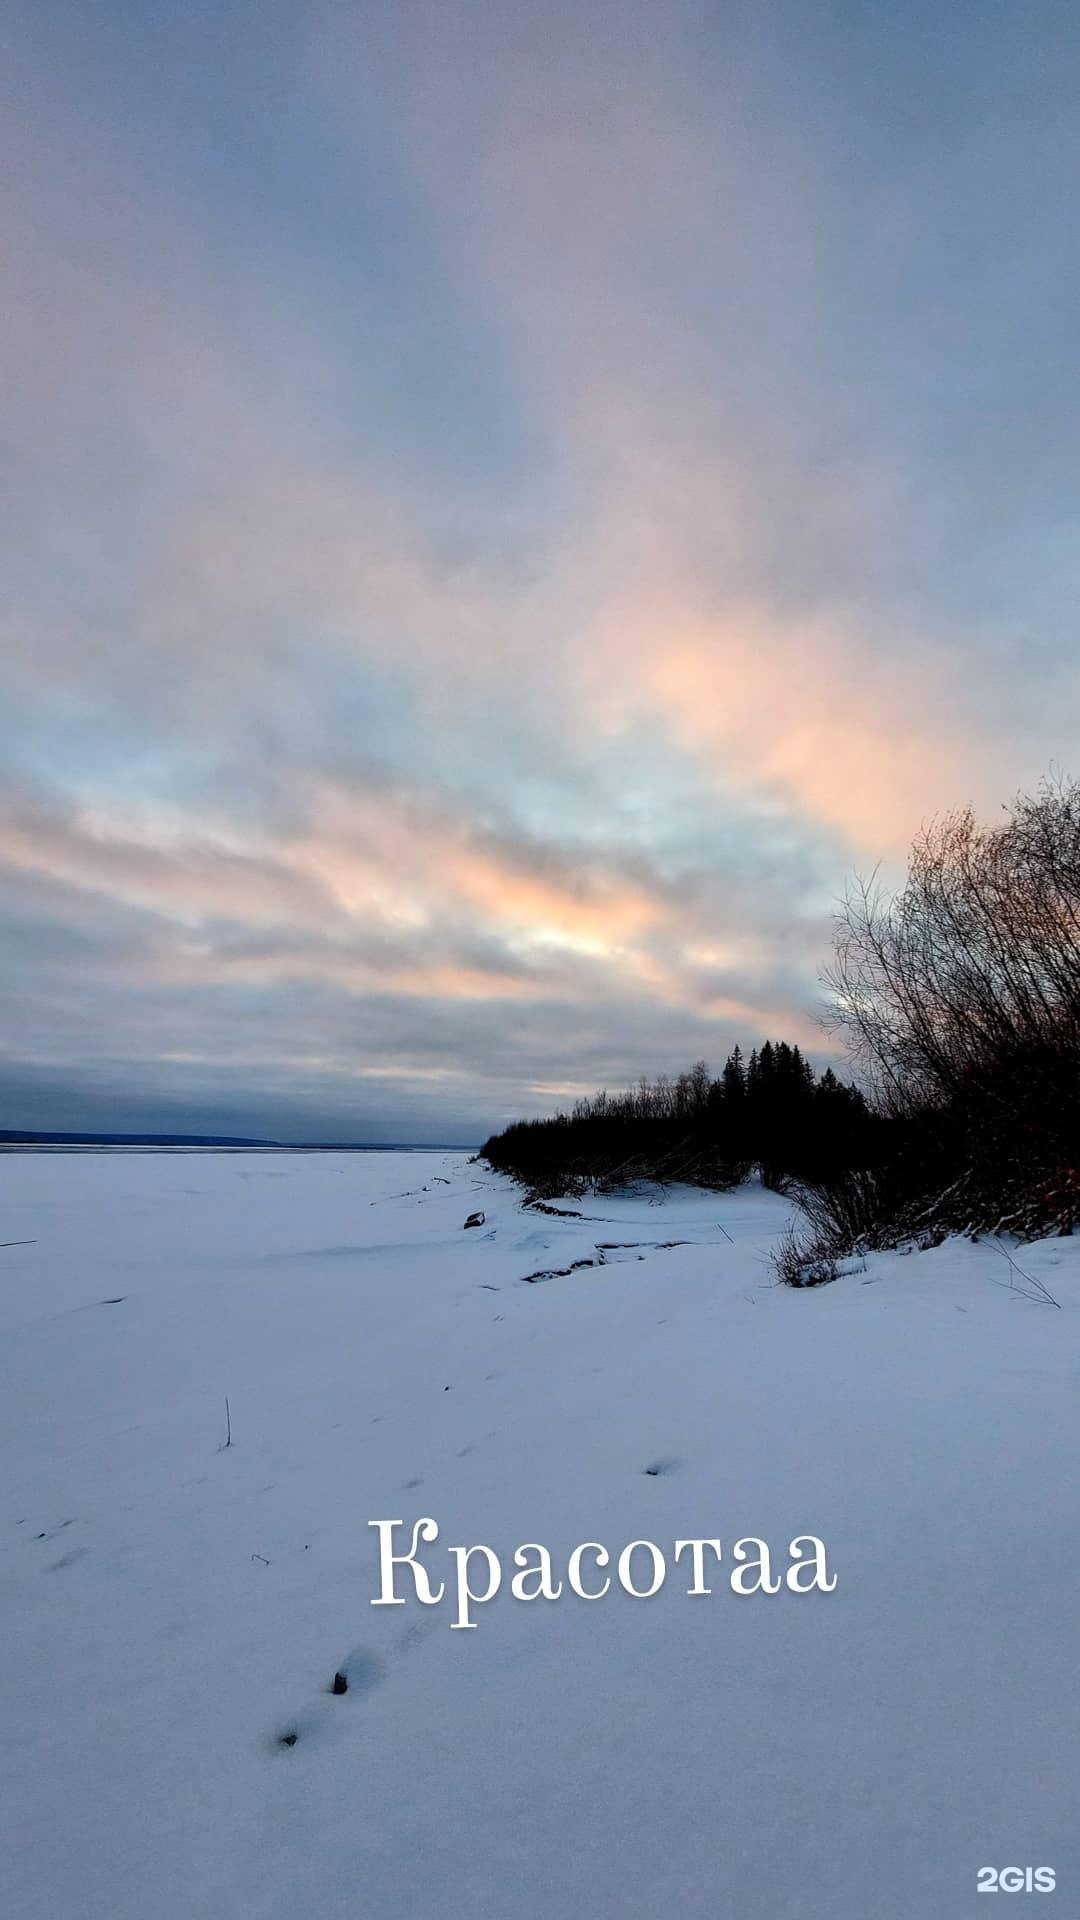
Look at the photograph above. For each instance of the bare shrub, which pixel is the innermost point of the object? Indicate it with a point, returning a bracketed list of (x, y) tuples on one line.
[(804, 1261), (960, 997)]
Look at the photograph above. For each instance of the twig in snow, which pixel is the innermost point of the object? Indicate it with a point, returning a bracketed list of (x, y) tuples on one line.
[(1039, 1291)]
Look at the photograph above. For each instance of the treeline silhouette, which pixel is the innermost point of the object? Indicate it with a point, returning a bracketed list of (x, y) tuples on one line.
[(770, 1111)]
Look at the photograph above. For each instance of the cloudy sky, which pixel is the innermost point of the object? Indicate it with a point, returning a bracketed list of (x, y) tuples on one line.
[(505, 506)]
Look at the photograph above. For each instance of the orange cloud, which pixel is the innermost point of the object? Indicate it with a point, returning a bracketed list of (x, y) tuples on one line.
[(809, 715)]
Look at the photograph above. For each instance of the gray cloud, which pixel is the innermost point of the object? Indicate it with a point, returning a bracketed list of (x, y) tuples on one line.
[(468, 603)]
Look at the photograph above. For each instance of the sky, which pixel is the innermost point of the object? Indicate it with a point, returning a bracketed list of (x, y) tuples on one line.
[(506, 507)]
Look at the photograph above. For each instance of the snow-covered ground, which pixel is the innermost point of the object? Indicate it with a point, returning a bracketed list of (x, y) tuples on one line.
[(171, 1607)]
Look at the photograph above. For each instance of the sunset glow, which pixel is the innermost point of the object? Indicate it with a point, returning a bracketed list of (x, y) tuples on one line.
[(498, 530)]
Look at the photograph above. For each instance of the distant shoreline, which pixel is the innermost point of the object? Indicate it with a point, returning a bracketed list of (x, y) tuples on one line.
[(11, 1142)]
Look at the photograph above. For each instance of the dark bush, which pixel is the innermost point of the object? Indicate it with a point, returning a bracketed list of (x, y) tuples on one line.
[(960, 998)]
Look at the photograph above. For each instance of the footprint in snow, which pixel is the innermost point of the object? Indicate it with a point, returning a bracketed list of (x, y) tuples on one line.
[(656, 1468), (416, 1632), (67, 1559), (361, 1670), (302, 1727)]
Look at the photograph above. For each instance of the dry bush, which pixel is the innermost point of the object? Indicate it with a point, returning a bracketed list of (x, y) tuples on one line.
[(960, 997), (803, 1260)]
